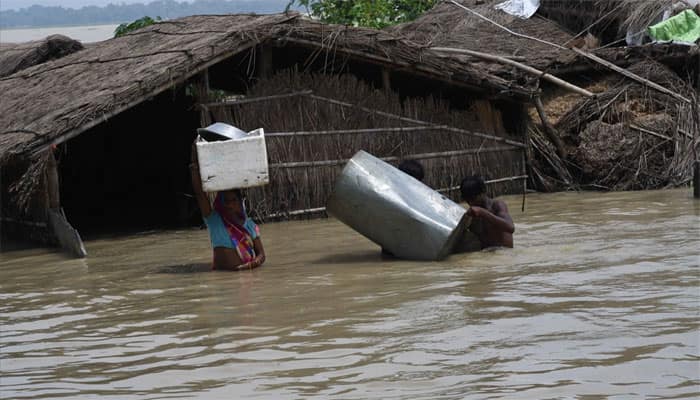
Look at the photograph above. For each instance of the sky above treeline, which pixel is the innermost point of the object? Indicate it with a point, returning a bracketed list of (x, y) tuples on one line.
[(17, 4)]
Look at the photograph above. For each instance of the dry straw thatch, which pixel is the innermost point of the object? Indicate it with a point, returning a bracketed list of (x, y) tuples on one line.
[(69, 95), (448, 25), (619, 16), (630, 137)]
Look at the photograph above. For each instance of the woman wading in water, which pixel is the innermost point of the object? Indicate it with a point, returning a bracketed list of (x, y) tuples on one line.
[(235, 238)]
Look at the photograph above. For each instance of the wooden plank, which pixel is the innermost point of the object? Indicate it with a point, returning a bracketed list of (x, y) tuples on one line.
[(67, 236)]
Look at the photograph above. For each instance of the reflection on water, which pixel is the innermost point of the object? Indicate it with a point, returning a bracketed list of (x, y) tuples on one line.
[(599, 299)]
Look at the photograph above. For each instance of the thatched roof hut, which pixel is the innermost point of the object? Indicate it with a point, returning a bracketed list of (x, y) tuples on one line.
[(15, 57), (449, 25), (62, 98), (125, 107)]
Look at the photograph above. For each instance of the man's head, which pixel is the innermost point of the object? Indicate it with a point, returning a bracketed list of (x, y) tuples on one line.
[(413, 168), (473, 190)]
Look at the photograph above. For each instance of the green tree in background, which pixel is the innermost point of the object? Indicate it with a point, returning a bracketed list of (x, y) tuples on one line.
[(138, 24), (371, 13)]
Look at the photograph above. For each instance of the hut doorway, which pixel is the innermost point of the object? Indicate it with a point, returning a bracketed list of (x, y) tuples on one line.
[(130, 173)]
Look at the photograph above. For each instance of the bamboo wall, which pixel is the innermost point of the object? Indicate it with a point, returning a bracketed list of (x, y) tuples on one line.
[(311, 135)]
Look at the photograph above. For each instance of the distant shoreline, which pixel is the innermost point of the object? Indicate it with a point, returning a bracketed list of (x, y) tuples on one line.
[(81, 33), (16, 28), (57, 16)]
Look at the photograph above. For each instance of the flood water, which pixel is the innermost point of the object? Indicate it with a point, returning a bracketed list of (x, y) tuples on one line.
[(599, 299), (84, 34)]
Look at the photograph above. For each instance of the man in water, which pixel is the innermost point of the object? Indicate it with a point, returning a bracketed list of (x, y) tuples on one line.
[(491, 222)]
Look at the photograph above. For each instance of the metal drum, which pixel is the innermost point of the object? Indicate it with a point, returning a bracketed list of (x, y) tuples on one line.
[(396, 211)]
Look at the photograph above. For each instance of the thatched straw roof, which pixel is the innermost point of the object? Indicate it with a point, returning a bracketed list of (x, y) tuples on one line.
[(448, 25), (15, 57), (620, 15), (63, 98)]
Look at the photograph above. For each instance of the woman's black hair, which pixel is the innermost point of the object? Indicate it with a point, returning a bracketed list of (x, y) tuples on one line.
[(472, 186)]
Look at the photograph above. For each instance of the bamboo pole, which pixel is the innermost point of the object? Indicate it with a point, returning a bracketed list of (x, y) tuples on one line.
[(256, 99), (296, 212), (586, 54), (631, 75), (418, 70), (696, 179), (356, 131), (322, 209), (534, 71), (422, 156), (549, 129), (499, 180), (417, 121)]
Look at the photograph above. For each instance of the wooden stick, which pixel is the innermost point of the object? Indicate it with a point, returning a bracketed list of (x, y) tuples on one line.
[(647, 131), (526, 68), (631, 75), (549, 129), (423, 156), (296, 212), (256, 99)]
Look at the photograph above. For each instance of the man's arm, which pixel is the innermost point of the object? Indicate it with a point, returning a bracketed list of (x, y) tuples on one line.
[(501, 220)]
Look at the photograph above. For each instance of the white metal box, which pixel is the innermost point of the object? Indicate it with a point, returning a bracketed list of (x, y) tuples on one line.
[(234, 163)]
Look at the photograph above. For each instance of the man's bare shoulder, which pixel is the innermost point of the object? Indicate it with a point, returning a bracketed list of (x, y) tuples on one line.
[(499, 207)]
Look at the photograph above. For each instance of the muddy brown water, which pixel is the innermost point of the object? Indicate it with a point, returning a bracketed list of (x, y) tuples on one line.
[(599, 299)]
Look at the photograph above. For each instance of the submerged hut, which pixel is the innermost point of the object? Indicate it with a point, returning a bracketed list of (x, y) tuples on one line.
[(102, 137)]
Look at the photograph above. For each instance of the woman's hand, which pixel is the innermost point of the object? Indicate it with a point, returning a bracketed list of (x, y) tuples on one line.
[(257, 261)]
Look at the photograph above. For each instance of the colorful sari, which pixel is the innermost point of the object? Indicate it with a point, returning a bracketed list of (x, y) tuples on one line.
[(240, 237)]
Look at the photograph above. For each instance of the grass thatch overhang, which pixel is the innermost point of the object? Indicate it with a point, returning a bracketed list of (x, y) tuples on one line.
[(57, 100), (15, 57), (448, 25), (608, 18)]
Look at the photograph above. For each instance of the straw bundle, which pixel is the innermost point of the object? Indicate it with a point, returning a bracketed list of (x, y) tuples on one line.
[(632, 138), (16, 57)]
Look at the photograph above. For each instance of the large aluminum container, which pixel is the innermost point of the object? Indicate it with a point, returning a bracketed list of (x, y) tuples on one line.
[(395, 210)]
